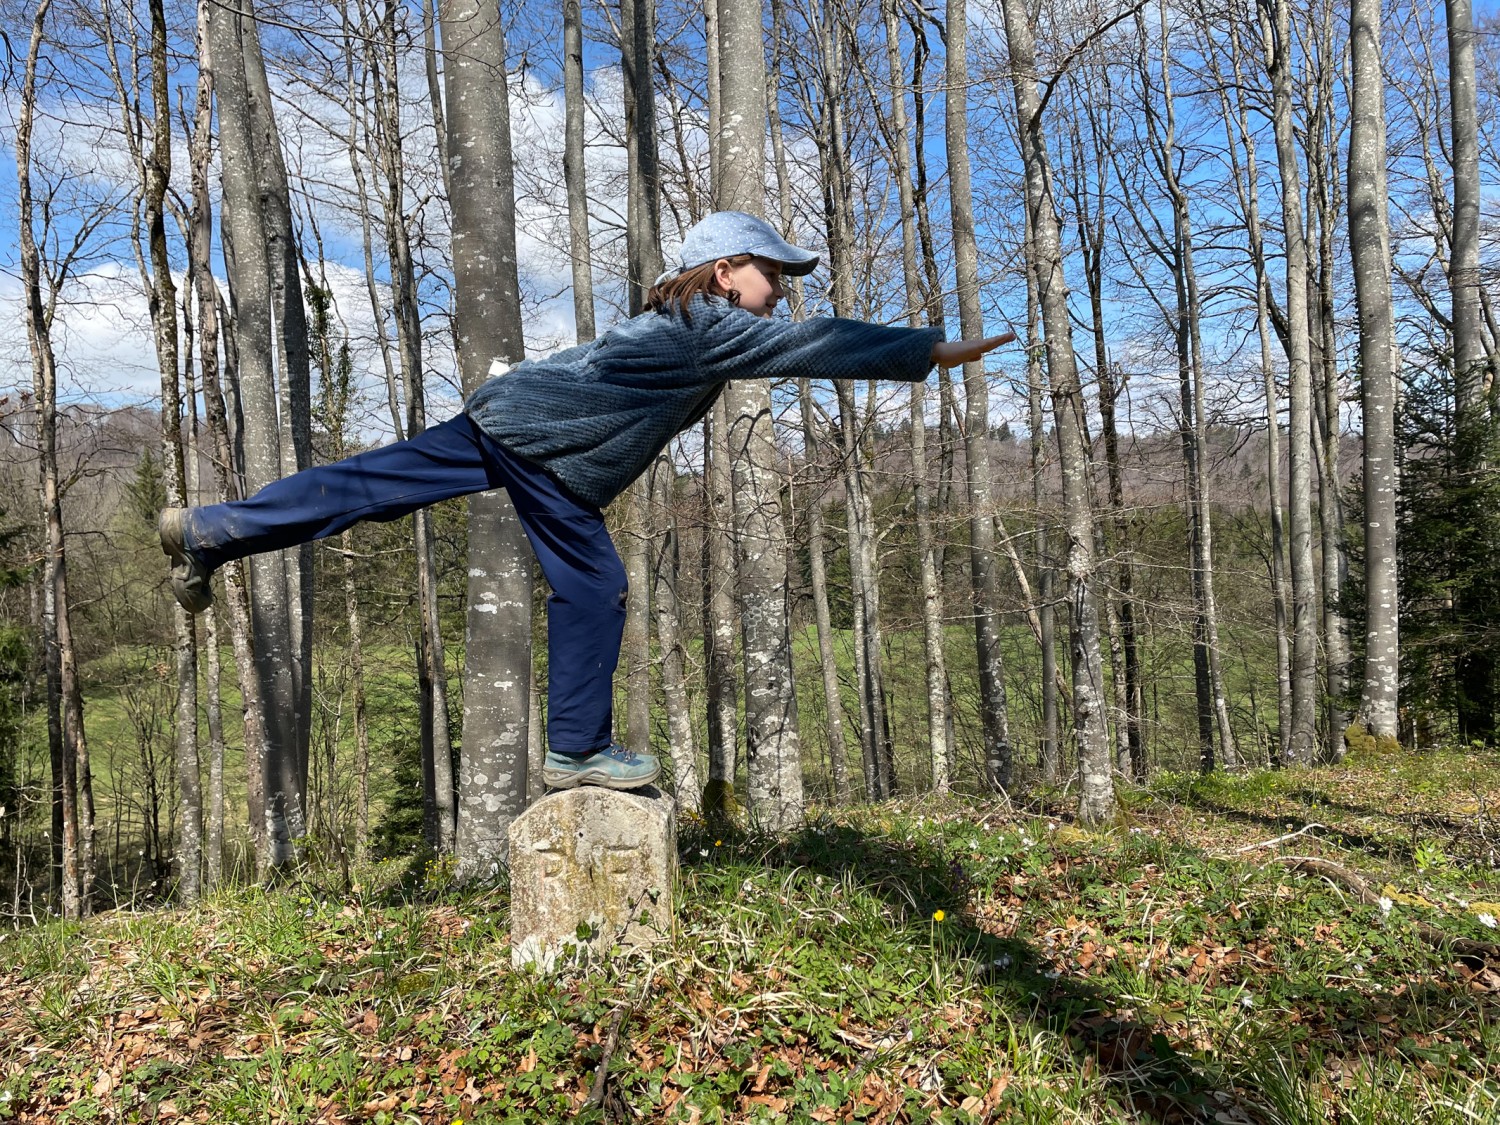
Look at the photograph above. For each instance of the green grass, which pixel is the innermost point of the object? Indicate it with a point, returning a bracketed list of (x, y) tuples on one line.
[(924, 961)]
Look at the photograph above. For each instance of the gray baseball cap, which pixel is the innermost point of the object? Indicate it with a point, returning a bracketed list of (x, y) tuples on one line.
[(727, 233)]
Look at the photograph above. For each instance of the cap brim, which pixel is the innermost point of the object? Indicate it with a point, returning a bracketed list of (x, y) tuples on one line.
[(799, 268)]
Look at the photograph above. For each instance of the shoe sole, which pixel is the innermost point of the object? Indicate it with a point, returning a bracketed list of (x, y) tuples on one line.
[(169, 532), (572, 779)]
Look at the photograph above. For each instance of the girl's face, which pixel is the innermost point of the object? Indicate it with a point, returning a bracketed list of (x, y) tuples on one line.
[(758, 282)]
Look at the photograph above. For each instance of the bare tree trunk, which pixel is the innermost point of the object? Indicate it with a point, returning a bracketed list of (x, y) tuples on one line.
[(817, 577), (1096, 798), (718, 618), (213, 841), (1475, 666), (487, 326), (438, 797), (1370, 250), (292, 383), (1239, 138), (1323, 202), (224, 460), (361, 707), (876, 753), (574, 176), (932, 597), (1050, 744), (250, 267), (644, 263), (65, 717), (984, 575), (1276, 34), (772, 747), (681, 743), (162, 299)]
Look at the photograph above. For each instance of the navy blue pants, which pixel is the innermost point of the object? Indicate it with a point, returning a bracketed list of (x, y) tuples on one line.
[(586, 610)]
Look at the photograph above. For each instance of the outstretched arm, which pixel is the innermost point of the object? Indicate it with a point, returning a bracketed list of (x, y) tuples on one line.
[(954, 353)]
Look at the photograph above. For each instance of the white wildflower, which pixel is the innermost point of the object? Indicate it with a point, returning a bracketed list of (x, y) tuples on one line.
[(1385, 905), (1487, 920), (1247, 1000)]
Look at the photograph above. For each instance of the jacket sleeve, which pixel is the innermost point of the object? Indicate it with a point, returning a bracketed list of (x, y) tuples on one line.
[(734, 344)]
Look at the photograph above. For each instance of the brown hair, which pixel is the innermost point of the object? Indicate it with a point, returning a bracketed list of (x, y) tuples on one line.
[(674, 294)]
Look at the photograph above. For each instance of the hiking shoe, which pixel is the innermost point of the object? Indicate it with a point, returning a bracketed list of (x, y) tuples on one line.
[(614, 767), (190, 578)]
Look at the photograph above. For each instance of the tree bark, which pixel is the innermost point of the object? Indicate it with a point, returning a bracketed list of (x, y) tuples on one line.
[(224, 459), (250, 265), (1301, 748), (772, 747), (575, 177), (940, 752), (817, 576), (64, 703), (1239, 137), (681, 744), (644, 263), (494, 763), (162, 301), (1370, 251), (1475, 665), (717, 557), (439, 800), (1096, 799), (984, 575)]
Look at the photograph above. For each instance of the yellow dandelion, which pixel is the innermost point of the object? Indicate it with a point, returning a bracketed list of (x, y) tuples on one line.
[(937, 915)]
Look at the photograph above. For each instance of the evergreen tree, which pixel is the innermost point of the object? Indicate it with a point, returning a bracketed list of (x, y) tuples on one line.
[(1449, 562)]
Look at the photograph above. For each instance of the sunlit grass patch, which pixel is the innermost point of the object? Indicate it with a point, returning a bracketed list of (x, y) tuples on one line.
[(933, 960)]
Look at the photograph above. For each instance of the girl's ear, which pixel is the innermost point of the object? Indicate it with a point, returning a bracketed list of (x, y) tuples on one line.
[(723, 275)]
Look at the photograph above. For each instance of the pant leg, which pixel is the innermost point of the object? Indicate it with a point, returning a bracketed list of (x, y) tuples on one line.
[(586, 610), (386, 483)]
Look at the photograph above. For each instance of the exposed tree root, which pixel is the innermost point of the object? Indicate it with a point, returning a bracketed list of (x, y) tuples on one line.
[(1485, 951)]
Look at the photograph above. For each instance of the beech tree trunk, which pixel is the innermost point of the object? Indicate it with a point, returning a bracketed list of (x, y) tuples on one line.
[(244, 132), (939, 750), (1475, 665), (1096, 797), (644, 263), (983, 571), (772, 746), (224, 461), (1370, 250), (575, 177), (1321, 142), (681, 742), (1302, 746), (64, 701), (717, 564), (1246, 180), (162, 302), (813, 502), (493, 764)]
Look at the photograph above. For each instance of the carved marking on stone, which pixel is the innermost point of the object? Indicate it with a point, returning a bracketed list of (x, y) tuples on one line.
[(595, 859)]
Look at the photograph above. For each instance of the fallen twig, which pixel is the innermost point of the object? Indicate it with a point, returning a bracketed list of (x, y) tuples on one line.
[(1467, 947), (1280, 839), (611, 1044)]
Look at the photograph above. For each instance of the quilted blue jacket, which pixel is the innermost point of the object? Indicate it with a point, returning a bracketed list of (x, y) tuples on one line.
[(597, 415)]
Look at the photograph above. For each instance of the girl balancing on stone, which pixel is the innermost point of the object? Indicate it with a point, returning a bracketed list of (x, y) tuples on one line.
[(564, 436)]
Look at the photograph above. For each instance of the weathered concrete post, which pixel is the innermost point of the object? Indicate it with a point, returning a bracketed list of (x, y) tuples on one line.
[(591, 868)]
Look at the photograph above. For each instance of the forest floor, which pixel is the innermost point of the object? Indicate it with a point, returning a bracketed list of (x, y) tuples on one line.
[(923, 960)]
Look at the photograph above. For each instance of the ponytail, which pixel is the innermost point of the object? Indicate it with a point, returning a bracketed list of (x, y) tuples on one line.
[(674, 294)]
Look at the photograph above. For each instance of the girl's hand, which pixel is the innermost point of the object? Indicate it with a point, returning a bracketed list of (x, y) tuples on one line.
[(953, 353)]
